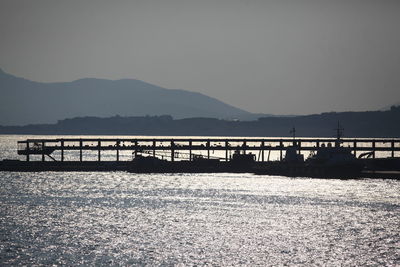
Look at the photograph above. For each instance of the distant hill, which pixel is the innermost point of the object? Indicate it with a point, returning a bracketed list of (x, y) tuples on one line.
[(389, 107), (27, 102), (356, 124)]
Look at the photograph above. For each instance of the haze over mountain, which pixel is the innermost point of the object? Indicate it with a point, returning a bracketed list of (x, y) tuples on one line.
[(26, 102)]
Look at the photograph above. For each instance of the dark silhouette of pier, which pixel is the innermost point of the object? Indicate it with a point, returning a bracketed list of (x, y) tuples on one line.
[(174, 146)]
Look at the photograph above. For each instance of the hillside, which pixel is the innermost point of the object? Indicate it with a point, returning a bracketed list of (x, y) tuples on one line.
[(27, 102), (356, 124)]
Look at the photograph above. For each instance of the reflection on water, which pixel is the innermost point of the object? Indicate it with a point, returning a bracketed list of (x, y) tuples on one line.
[(216, 219)]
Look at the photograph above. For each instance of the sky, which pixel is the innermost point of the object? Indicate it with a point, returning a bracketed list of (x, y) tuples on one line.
[(274, 57)]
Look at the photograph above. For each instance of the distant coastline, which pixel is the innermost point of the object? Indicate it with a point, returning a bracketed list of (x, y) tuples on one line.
[(356, 124)]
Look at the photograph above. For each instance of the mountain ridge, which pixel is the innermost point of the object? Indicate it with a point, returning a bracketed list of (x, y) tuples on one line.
[(29, 102)]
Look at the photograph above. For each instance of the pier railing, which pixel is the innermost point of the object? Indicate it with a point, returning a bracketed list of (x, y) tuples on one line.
[(45, 147)]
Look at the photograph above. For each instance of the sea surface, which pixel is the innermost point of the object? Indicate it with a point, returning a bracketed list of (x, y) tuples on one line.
[(118, 218)]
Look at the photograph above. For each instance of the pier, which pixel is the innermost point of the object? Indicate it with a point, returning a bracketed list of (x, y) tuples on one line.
[(178, 148)]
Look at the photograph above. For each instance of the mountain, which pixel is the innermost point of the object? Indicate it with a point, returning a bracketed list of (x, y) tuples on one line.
[(356, 124), (28, 102)]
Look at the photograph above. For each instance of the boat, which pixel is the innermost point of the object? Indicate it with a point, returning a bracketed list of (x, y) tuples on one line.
[(327, 161), (292, 164), (36, 149), (241, 161), (333, 160), (149, 164)]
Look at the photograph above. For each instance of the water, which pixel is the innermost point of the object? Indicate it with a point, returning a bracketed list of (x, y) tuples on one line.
[(120, 218)]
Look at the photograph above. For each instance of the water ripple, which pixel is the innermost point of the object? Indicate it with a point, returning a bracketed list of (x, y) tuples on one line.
[(204, 219)]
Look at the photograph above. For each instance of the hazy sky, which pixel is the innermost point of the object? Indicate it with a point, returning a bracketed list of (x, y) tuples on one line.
[(281, 57)]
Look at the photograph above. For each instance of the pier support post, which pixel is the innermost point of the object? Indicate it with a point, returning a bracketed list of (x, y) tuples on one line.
[(208, 149), (226, 150), (154, 148), (190, 150), (172, 151), (392, 144), (99, 151), (373, 149), (80, 151), (135, 146), (62, 150), (117, 147), (280, 151), (27, 151), (262, 150), (43, 144), (299, 149), (355, 148)]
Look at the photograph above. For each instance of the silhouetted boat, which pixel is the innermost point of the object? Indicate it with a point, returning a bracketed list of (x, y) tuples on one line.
[(239, 162), (326, 162), (37, 149), (333, 161), (149, 164)]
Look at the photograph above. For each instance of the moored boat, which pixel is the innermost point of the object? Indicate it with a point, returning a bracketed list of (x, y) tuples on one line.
[(327, 161)]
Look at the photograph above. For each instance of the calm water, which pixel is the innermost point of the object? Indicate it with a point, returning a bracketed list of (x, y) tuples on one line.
[(203, 219)]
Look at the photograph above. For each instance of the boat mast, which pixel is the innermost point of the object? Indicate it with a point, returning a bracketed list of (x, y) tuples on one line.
[(339, 134)]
